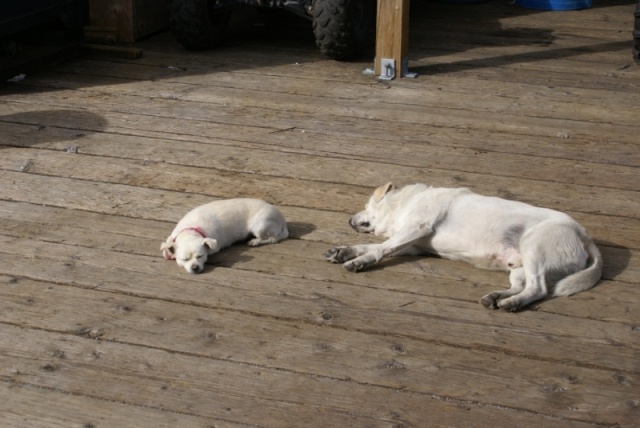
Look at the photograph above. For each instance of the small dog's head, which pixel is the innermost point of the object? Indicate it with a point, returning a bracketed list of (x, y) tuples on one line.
[(368, 220), (190, 250)]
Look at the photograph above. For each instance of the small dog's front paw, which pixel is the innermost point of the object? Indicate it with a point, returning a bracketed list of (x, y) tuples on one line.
[(337, 254)]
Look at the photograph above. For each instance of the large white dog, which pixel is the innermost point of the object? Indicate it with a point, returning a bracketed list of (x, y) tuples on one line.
[(209, 228), (546, 251)]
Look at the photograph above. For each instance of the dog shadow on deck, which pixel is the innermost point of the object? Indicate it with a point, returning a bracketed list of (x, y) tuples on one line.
[(229, 257), (616, 259), (298, 229)]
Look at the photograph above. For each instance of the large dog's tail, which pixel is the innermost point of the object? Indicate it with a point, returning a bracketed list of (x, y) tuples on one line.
[(584, 279)]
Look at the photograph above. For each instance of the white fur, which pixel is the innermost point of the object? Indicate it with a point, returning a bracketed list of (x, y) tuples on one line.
[(223, 222), (546, 251)]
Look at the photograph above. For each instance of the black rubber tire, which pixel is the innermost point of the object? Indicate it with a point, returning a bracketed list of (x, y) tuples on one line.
[(636, 34), (344, 29), (198, 24)]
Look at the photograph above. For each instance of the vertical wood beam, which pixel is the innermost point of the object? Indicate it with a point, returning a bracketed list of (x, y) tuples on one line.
[(392, 35)]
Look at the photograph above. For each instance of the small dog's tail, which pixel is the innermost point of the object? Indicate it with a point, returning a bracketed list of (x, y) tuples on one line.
[(584, 279)]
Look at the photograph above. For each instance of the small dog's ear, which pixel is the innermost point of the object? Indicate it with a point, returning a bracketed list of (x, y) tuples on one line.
[(168, 250), (382, 190), (169, 246), (211, 244)]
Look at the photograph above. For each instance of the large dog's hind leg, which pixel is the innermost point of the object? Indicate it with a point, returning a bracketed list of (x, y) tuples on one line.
[(530, 277), (535, 289), (517, 280), (549, 250), (377, 252)]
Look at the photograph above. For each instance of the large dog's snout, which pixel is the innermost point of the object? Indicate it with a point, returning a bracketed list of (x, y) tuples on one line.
[(359, 225), (195, 268)]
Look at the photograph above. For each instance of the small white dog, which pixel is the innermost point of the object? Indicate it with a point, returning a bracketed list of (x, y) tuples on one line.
[(546, 251), (209, 228)]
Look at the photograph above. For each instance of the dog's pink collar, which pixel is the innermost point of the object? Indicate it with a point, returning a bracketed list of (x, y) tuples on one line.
[(196, 229)]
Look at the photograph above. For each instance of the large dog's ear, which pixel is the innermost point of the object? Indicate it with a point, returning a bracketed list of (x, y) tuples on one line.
[(211, 244), (382, 190)]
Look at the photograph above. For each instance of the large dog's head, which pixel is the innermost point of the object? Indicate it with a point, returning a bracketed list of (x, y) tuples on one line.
[(374, 214), (190, 249)]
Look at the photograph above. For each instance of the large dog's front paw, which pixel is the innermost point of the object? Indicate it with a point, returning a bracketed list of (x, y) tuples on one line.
[(354, 266), (360, 263), (490, 301), (338, 254), (511, 304)]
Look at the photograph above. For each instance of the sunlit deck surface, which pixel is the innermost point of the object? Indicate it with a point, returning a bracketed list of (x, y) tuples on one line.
[(100, 156)]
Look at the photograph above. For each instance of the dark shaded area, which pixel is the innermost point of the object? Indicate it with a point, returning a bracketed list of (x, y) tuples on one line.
[(38, 32), (45, 126)]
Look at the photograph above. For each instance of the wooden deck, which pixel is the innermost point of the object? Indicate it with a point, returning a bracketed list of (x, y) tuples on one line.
[(100, 156)]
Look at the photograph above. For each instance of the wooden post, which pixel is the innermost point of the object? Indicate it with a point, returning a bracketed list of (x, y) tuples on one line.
[(131, 19), (392, 38)]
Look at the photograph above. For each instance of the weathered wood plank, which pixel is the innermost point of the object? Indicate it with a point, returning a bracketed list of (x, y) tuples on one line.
[(297, 132), (582, 196), (32, 405), (492, 112), (452, 69), (183, 383), (157, 172), (408, 364), (512, 103), (469, 93)]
